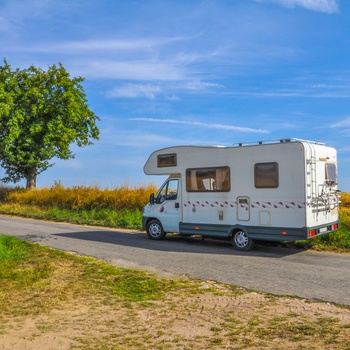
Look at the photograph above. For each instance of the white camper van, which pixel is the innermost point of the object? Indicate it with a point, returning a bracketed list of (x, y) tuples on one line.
[(281, 190)]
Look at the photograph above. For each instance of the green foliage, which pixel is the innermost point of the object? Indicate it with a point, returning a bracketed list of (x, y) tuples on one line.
[(130, 219), (12, 251), (41, 114), (337, 241)]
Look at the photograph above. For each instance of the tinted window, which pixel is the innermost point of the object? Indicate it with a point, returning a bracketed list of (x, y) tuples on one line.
[(266, 175), (165, 160), (331, 174)]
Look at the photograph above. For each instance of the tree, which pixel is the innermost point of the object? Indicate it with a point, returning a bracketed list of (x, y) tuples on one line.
[(41, 114)]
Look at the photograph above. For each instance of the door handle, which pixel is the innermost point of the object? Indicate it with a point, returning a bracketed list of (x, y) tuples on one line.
[(177, 205)]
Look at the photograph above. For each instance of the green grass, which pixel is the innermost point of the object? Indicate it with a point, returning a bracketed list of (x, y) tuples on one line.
[(99, 306), (334, 241), (128, 218), (12, 251), (44, 277)]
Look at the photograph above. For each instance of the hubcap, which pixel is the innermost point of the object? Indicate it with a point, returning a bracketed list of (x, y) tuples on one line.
[(241, 239), (155, 230)]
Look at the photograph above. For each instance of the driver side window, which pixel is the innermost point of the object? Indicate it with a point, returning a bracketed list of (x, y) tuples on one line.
[(168, 191)]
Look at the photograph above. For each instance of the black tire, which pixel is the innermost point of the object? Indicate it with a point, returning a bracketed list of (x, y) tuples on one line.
[(155, 230), (241, 241)]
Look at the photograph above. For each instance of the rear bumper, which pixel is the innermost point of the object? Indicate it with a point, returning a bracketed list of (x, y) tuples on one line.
[(322, 230)]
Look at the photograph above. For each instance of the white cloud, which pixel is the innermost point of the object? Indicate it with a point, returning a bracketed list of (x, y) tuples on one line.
[(201, 85), (328, 6), (135, 91), (110, 45), (112, 137), (15, 13), (132, 70), (345, 123), (151, 91), (294, 93), (200, 124)]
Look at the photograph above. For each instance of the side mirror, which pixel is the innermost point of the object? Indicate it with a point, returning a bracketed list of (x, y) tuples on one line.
[(151, 199)]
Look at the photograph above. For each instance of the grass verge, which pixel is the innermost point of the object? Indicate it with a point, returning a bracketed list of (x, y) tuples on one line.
[(51, 299), (127, 218)]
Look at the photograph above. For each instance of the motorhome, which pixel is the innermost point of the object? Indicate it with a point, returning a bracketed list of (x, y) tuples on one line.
[(282, 190)]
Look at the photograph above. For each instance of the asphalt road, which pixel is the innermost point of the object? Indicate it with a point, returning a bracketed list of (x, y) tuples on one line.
[(312, 275)]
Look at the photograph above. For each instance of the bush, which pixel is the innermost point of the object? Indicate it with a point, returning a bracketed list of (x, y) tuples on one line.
[(344, 212)]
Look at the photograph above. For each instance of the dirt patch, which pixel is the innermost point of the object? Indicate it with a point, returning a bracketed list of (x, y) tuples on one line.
[(214, 318)]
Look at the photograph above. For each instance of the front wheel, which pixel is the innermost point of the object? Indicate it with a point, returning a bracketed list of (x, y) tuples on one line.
[(155, 230), (241, 241)]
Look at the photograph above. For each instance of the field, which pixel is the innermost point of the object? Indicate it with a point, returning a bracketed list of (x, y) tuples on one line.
[(53, 300), (119, 207), (122, 207)]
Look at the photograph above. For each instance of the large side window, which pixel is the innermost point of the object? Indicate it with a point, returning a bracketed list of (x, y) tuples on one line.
[(266, 175), (216, 179), (331, 174), (168, 191)]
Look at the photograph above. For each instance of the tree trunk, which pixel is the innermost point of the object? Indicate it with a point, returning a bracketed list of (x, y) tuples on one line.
[(31, 179)]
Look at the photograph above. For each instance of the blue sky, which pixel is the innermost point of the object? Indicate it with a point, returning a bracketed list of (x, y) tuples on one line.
[(161, 73)]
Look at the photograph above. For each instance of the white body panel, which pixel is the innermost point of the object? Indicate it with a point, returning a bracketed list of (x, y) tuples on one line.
[(303, 199)]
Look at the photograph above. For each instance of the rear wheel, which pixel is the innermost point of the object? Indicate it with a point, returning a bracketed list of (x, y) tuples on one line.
[(241, 241), (155, 230)]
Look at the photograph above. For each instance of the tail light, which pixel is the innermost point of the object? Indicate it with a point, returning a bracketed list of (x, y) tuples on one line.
[(312, 233)]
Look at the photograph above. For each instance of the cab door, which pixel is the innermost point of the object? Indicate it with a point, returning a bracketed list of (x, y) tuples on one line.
[(168, 205)]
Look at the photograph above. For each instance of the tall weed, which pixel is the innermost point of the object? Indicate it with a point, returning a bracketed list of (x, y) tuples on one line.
[(84, 198), (344, 213)]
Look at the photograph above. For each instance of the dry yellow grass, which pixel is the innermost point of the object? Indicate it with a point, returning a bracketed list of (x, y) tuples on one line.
[(84, 198), (345, 209)]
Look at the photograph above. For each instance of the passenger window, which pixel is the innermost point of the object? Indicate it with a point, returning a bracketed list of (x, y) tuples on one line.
[(266, 175), (168, 191), (208, 179)]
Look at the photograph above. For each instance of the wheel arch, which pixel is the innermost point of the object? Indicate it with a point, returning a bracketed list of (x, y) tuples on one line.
[(147, 219), (236, 228), (154, 230), (240, 238)]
